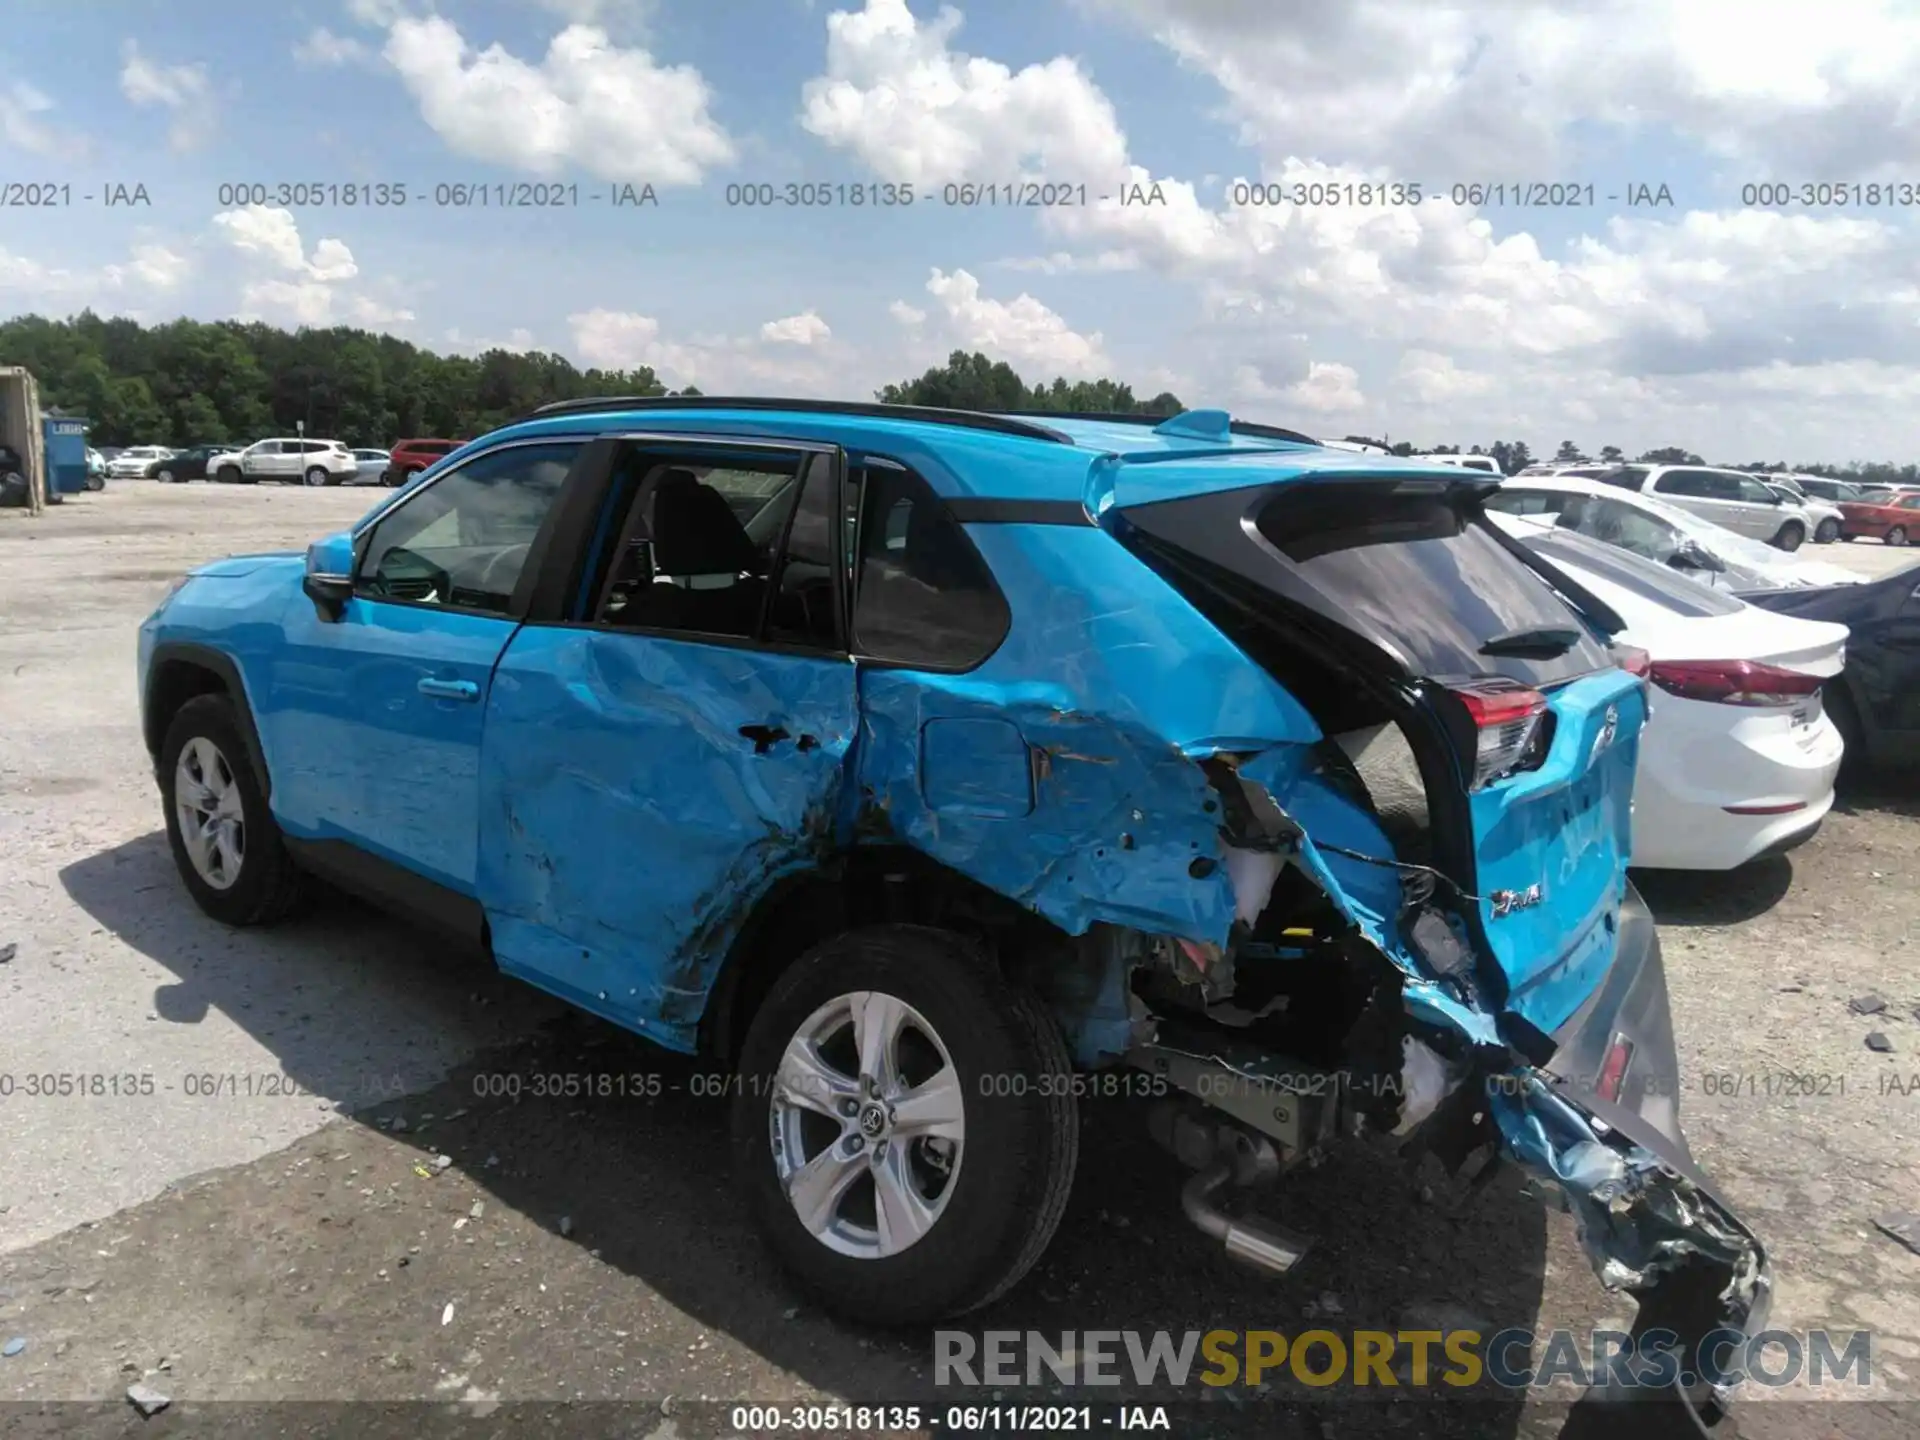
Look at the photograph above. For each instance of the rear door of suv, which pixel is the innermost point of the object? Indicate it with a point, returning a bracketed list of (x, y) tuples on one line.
[(1526, 729)]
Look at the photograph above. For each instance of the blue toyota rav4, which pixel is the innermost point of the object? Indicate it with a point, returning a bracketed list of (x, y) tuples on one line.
[(930, 770)]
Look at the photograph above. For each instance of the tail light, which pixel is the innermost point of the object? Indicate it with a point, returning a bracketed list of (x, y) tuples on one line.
[(1733, 682), (1506, 719)]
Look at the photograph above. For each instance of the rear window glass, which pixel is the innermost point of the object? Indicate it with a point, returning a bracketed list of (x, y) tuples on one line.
[(1425, 576), (1644, 578)]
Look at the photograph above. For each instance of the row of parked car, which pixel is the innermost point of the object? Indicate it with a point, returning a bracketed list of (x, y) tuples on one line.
[(1784, 510), (290, 460)]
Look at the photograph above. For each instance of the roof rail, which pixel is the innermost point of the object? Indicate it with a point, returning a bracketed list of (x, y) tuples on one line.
[(1154, 422), (965, 419)]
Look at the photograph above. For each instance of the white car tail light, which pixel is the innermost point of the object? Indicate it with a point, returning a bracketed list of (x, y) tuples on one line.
[(1506, 717), (1733, 682)]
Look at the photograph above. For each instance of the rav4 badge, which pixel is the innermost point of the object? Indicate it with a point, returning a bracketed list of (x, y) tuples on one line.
[(1609, 727), (1505, 902)]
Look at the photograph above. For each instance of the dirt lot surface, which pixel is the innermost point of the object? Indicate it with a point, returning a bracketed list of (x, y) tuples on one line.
[(326, 1188)]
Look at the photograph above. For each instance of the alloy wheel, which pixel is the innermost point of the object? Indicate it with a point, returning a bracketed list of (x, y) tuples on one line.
[(867, 1125), (212, 816), (1897, 535)]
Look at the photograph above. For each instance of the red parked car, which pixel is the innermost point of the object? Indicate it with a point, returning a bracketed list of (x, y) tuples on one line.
[(409, 457), (1894, 519)]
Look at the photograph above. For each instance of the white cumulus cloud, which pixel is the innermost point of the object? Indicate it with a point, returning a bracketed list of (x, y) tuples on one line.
[(181, 89), (803, 329), (897, 94), (322, 48), (1022, 331), (770, 361), (613, 111)]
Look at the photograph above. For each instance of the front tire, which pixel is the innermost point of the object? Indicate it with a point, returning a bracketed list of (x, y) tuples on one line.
[(1827, 532), (1791, 537), (905, 1128), (1897, 535), (228, 474), (223, 837), (165, 477)]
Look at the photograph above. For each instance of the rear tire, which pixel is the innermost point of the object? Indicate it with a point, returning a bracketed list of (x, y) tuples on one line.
[(1007, 1176), (1791, 537), (316, 477), (1897, 535), (1827, 532), (165, 477), (223, 837)]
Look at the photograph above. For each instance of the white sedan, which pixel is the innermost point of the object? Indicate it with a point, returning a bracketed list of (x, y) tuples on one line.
[(1738, 758), (1665, 533)]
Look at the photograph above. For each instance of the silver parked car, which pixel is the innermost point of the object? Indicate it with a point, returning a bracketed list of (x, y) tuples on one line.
[(1734, 499), (370, 465)]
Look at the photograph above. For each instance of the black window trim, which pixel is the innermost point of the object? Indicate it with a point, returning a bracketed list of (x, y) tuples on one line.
[(517, 603)]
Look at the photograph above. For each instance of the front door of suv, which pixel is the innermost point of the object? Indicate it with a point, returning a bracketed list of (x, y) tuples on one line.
[(668, 734), (373, 721)]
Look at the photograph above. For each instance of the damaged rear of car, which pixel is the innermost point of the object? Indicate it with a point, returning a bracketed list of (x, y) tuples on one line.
[(1325, 786), (1455, 846)]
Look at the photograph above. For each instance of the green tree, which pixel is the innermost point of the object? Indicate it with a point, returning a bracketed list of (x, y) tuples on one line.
[(975, 382), (1612, 455), (1568, 454)]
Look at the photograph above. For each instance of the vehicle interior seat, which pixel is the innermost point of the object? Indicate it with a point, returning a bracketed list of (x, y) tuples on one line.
[(705, 567)]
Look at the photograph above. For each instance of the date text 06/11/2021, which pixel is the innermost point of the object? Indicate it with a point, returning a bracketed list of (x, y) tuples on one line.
[(1016, 1419)]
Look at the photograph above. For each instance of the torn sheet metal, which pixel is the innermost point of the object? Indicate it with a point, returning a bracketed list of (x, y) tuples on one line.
[(1642, 1217)]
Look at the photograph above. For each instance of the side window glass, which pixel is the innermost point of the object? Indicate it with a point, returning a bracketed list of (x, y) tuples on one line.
[(697, 547), (463, 540), (1755, 493), (922, 596), (1630, 529)]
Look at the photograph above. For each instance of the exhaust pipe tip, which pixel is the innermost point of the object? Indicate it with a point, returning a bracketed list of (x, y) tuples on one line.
[(1248, 1239), (1264, 1245)]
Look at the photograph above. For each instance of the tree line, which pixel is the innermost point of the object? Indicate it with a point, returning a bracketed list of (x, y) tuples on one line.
[(191, 382)]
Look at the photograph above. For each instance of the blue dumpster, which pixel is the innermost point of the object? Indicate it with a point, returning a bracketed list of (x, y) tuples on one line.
[(66, 437)]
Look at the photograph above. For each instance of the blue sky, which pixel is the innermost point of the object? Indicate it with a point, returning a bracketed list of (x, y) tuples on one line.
[(1748, 330)]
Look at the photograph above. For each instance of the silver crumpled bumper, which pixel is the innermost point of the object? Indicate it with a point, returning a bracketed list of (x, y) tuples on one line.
[(1601, 1122)]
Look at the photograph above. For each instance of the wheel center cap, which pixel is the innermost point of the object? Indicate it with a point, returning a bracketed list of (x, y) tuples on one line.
[(873, 1120)]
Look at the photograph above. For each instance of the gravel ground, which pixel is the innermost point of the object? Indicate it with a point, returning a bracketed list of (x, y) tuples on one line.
[(355, 1213)]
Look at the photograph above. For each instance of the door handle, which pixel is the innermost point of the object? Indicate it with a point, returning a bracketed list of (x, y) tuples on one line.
[(450, 689)]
